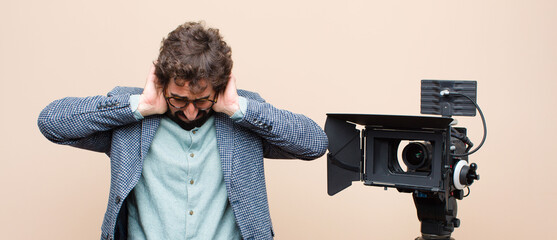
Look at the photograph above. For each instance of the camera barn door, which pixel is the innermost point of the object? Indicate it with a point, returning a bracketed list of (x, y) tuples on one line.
[(345, 156)]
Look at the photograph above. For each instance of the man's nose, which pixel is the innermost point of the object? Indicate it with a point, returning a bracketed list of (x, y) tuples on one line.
[(191, 112)]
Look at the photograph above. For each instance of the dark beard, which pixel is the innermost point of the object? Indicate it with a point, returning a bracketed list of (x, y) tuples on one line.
[(205, 115)]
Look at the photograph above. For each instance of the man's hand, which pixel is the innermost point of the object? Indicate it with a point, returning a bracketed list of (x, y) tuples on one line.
[(227, 101), (152, 99)]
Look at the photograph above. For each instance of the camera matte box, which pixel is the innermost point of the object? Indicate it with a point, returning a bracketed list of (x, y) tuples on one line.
[(369, 156)]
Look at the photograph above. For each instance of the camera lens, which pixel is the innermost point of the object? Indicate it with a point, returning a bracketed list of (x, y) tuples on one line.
[(417, 156)]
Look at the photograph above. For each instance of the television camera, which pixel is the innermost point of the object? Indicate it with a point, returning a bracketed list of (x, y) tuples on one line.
[(423, 155)]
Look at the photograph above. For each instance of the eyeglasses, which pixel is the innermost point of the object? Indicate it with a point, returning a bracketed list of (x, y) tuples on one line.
[(202, 104)]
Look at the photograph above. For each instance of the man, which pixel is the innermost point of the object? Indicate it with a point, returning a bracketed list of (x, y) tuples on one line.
[(187, 150)]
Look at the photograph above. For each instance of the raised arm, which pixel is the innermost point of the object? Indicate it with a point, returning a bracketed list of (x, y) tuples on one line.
[(88, 122), (286, 135)]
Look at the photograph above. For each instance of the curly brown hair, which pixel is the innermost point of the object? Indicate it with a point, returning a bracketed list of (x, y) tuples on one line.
[(192, 53)]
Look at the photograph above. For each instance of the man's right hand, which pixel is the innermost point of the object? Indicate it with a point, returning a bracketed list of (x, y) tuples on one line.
[(152, 99)]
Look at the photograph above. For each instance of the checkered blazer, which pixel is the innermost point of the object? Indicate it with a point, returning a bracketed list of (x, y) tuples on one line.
[(106, 124)]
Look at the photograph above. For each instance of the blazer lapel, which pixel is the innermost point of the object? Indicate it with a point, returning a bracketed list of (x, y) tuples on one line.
[(225, 142), (134, 165), (149, 127)]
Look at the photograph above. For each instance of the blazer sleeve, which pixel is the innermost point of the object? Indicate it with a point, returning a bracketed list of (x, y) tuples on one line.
[(87, 122), (286, 135)]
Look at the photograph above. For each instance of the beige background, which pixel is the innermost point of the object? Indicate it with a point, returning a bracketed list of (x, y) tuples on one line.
[(311, 57)]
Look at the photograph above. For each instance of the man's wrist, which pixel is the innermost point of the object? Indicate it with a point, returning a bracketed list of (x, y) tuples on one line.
[(242, 106), (230, 110), (134, 105)]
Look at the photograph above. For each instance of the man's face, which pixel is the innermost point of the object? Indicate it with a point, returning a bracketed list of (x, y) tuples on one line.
[(190, 116)]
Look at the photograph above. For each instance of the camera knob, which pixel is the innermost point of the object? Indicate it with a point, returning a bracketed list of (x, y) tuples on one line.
[(464, 174), (472, 174), (456, 222)]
